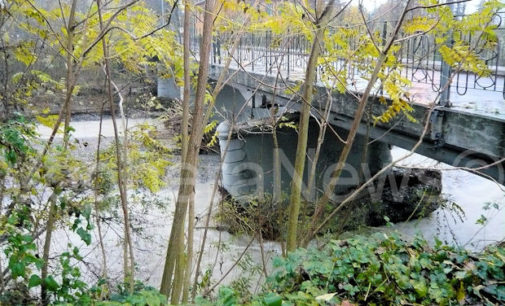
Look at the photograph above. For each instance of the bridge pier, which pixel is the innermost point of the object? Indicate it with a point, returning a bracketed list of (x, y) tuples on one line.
[(248, 164), (167, 88)]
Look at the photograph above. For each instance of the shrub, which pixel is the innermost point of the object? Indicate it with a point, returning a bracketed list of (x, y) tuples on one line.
[(384, 269)]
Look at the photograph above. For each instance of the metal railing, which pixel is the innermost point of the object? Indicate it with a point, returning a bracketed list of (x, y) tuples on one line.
[(419, 57)]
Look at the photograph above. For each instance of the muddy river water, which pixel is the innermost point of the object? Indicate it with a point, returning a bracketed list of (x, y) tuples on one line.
[(152, 225)]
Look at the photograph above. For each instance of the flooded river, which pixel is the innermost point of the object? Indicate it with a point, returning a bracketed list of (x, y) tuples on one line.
[(472, 194), (152, 224)]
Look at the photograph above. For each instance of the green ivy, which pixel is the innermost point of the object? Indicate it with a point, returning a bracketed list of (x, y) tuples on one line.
[(380, 270), (385, 269), (142, 296), (14, 139)]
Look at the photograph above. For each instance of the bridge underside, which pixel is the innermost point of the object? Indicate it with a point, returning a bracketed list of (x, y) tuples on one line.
[(475, 142)]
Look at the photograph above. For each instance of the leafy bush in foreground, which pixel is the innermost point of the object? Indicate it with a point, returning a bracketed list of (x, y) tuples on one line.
[(384, 269)]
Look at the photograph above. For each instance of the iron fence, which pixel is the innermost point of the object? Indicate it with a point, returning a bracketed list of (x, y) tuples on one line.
[(419, 57)]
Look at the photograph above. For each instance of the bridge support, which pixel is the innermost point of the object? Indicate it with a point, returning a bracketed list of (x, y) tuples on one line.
[(248, 164), (167, 88)]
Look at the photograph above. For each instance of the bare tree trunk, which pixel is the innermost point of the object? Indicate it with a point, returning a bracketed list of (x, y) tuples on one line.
[(320, 140), (97, 210), (217, 89), (277, 188), (301, 148), (128, 247), (175, 249), (47, 247), (2, 284), (207, 219), (187, 79), (185, 136), (262, 251), (129, 273), (70, 84), (276, 163), (5, 80), (322, 18), (323, 201)]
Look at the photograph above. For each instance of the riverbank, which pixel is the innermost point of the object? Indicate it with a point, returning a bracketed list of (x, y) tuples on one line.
[(153, 225)]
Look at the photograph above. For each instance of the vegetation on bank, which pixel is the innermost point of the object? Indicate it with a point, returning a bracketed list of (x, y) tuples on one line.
[(381, 270), (51, 50)]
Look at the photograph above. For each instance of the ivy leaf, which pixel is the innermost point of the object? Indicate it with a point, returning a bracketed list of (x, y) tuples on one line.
[(86, 212), (51, 283), (152, 298), (34, 281), (420, 287), (460, 274), (227, 296), (136, 300), (11, 156), (18, 269), (326, 297), (85, 236), (273, 299)]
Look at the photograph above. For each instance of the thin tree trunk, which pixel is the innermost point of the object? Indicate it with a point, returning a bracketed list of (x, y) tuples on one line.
[(185, 136), (323, 201), (2, 284), (129, 273), (301, 148), (320, 140), (262, 250), (207, 219), (70, 84), (5, 95), (188, 171), (187, 79), (189, 258), (277, 183), (180, 268), (366, 143), (277, 188), (47, 247), (217, 89), (97, 209), (129, 245), (70, 81)]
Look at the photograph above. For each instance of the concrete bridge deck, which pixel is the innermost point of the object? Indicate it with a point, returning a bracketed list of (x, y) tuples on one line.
[(466, 123), (469, 134), (468, 93)]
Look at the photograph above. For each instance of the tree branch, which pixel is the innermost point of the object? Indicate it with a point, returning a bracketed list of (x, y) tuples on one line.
[(435, 5), (163, 26)]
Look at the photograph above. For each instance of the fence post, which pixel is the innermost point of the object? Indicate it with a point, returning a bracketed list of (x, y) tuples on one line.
[(265, 51), (270, 52), (240, 50), (384, 32), (289, 51), (383, 36), (445, 74), (252, 51)]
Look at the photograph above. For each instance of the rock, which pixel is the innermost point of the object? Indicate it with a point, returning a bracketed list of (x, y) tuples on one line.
[(414, 194), (403, 194)]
